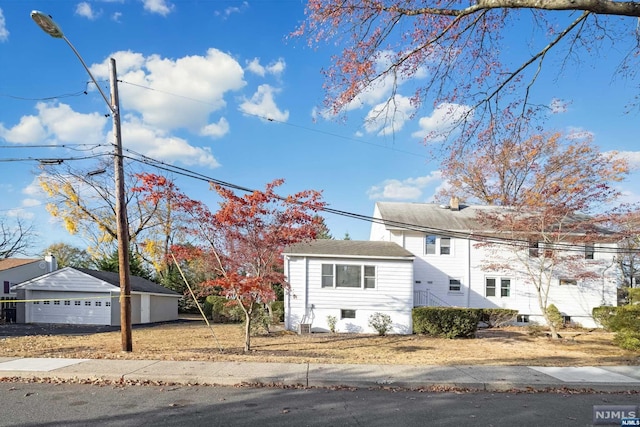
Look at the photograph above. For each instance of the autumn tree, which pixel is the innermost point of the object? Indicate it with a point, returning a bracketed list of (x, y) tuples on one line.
[(553, 192), (16, 237), (68, 255), (469, 59), (244, 239), (85, 202)]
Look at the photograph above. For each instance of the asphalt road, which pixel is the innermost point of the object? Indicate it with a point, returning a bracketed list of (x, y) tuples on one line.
[(37, 404)]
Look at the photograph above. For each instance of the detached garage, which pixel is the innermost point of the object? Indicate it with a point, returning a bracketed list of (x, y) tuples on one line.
[(89, 297)]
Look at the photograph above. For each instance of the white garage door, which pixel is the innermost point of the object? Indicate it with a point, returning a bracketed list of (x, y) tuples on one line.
[(70, 308)]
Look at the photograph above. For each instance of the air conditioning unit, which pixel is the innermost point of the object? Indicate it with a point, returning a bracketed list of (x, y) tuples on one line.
[(304, 328)]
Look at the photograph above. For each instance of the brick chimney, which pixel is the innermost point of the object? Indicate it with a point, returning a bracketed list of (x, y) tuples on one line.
[(454, 203)]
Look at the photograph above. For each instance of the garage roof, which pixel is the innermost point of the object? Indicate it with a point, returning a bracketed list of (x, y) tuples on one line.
[(138, 284)]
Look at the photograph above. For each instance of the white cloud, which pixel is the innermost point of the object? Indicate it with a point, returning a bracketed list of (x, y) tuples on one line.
[(276, 68), (579, 133), (68, 126), (216, 130), (84, 9), (443, 120), (263, 105), (389, 117), (632, 158), (172, 94), (116, 16), (154, 143), (161, 7), (29, 203), (232, 9), (408, 189), (4, 33), (28, 131), (558, 106)]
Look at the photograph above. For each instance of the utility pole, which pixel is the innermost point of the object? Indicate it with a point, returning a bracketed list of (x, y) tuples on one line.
[(122, 226), (46, 23)]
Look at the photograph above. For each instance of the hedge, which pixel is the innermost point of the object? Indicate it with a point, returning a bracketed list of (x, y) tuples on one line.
[(448, 322)]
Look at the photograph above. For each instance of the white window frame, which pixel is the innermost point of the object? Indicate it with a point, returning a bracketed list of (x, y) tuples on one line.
[(567, 281), (589, 251), (498, 286), (364, 278), (437, 245), (459, 284)]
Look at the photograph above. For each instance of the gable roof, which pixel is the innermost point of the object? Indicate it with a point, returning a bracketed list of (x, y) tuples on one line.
[(138, 284), (8, 263), (349, 248), (74, 280), (397, 215)]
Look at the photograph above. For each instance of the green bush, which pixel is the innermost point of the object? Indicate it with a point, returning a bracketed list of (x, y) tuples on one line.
[(448, 322), (277, 311), (633, 295), (554, 316), (497, 317), (627, 339), (381, 323), (627, 317), (603, 314), (332, 321)]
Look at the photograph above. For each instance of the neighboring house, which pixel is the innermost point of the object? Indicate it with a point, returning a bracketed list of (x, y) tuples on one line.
[(349, 280), (449, 268), (81, 296), (18, 270)]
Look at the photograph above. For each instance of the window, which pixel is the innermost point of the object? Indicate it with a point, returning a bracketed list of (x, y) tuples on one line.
[(327, 275), (522, 318), (348, 276), (568, 282), (56, 302), (534, 247), (347, 314), (107, 304), (589, 251), (490, 287), (369, 277), (77, 303), (87, 303), (67, 303), (491, 284), (430, 243), (445, 246), (36, 302), (46, 302), (455, 285), (98, 304), (435, 245), (505, 287)]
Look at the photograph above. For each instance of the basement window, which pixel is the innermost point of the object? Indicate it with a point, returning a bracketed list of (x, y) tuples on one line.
[(522, 318), (347, 314)]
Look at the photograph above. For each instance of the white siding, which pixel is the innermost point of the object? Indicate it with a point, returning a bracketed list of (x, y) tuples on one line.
[(468, 261), (393, 295), (21, 274)]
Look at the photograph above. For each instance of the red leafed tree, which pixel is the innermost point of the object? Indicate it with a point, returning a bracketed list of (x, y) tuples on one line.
[(472, 58), (244, 239), (553, 193)]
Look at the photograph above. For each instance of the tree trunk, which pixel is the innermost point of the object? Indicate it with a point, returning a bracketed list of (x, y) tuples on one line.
[(552, 327), (247, 331)]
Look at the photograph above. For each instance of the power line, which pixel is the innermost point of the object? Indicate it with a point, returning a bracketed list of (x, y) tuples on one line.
[(470, 235)]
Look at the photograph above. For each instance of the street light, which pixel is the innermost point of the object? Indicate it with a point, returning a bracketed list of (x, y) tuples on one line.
[(122, 228)]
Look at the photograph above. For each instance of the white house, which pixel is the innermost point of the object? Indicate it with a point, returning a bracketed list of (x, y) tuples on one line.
[(348, 280), (436, 261), (18, 270), (82, 296), (451, 267)]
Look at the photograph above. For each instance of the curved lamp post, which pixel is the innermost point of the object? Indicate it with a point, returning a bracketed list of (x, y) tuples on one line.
[(122, 228)]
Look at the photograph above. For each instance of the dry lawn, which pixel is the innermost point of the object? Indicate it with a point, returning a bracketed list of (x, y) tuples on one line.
[(193, 340)]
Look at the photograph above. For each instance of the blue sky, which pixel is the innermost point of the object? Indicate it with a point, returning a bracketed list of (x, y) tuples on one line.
[(199, 79)]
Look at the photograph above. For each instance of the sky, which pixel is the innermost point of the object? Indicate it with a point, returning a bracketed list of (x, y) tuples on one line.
[(219, 88)]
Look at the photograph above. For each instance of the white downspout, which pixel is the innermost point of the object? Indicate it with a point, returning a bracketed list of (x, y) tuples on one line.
[(469, 271)]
